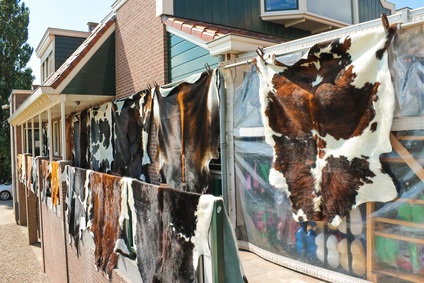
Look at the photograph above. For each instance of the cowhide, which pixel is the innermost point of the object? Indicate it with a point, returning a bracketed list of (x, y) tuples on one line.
[(131, 129), (101, 137), (54, 174), (81, 139), (187, 116), (328, 117), (106, 208)]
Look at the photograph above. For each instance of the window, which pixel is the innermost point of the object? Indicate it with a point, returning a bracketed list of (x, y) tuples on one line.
[(281, 5), (47, 68)]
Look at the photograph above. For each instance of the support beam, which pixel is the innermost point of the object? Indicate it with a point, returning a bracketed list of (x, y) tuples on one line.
[(26, 138), (49, 133), (63, 130), (32, 137), (40, 134)]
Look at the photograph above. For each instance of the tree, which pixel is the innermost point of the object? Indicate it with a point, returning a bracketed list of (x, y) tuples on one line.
[(14, 56)]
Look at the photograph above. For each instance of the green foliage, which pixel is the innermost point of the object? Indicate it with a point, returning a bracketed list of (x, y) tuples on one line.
[(14, 56)]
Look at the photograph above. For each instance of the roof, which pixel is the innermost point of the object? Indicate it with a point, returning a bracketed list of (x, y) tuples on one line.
[(209, 32), (49, 96), (57, 77)]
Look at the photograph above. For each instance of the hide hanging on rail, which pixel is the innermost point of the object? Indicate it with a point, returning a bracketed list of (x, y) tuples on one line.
[(187, 116), (328, 118)]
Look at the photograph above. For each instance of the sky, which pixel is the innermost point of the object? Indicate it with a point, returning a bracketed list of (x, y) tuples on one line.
[(63, 14), (75, 14)]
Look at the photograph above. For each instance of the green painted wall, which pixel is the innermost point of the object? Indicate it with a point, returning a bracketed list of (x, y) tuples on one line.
[(370, 10), (186, 58), (64, 47), (242, 14), (98, 74)]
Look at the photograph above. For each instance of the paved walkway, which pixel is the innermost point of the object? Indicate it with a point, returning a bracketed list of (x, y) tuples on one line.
[(258, 270), (19, 262)]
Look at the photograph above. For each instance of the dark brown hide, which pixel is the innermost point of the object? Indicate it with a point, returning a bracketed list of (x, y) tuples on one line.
[(188, 131), (106, 204), (69, 138), (131, 118), (166, 222), (81, 138)]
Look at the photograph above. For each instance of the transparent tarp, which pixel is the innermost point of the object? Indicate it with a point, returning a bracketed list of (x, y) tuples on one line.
[(377, 241)]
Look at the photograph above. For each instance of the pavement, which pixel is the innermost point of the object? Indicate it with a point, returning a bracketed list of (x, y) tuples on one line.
[(19, 261)]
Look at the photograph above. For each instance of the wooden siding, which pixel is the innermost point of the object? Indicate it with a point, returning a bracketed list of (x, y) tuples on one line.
[(370, 10), (242, 14), (98, 74), (64, 47), (186, 58)]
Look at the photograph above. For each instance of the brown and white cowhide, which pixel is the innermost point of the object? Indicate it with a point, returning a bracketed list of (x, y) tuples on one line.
[(328, 119), (187, 116)]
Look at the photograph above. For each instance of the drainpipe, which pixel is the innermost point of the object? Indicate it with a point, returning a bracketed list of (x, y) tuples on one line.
[(223, 134)]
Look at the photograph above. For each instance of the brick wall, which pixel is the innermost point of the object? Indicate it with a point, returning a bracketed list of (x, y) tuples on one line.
[(53, 244), (61, 261), (141, 56)]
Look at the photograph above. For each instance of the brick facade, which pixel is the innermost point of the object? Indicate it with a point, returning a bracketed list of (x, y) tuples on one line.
[(141, 56)]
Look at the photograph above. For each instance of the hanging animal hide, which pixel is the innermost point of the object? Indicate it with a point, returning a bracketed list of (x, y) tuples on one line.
[(132, 126), (106, 208), (101, 138), (187, 116), (55, 182), (328, 119)]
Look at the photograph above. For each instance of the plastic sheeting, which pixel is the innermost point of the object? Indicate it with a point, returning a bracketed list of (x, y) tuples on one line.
[(408, 71), (264, 216)]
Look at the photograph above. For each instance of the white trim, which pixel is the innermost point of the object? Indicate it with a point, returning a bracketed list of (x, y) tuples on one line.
[(118, 4), (51, 33), (164, 7), (85, 59), (235, 44), (388, 5), (191, 38)]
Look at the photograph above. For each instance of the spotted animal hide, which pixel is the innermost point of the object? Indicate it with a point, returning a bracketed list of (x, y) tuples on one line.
[(76, 202), (187, 116), (45, 189), (166, 222), (28, 163), (106, 207), (81, 138), (328, 118), (132, 126), (54, 173), (70, 150), (101, 138)]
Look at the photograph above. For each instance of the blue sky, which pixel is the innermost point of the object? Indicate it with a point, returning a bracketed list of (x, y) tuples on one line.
[(64, 14), (75, 14)]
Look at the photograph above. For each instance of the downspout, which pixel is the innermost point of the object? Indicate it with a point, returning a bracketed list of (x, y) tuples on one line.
[(223, 134)]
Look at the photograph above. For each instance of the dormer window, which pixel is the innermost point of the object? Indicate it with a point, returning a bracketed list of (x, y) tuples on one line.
[(47, 67)]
